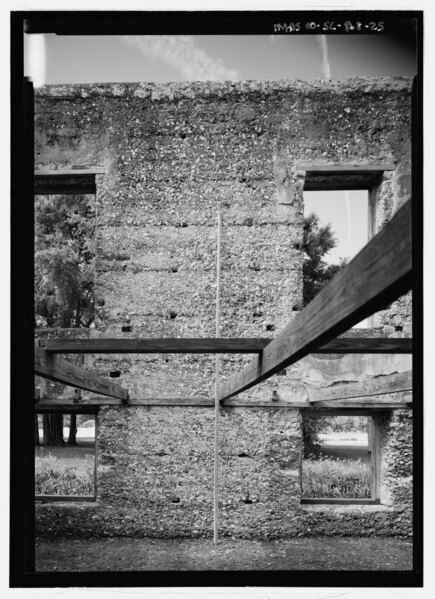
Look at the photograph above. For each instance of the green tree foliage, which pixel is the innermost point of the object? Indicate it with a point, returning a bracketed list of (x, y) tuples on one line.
[(64, 261), (64, 278), (317, 242)]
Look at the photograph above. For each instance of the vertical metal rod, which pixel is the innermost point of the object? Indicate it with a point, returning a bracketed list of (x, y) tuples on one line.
[(216, 385)]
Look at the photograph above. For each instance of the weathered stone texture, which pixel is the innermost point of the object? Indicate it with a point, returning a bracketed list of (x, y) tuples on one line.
[(397, 459), (156, 479), (173, 155)]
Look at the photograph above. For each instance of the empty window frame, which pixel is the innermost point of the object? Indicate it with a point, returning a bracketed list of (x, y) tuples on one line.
[(65, 456), (340, 462), (346, 198)]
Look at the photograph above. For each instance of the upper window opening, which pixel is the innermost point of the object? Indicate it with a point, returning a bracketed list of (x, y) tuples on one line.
[(347, 213), (64, 248), (339, 212), (336, 228), (64, 260)]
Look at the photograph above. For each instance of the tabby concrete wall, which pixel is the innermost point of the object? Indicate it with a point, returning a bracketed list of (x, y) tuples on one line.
[(173, 155), (155, 478)]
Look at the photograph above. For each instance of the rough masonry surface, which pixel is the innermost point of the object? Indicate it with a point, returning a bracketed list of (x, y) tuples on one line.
[(173, 155)]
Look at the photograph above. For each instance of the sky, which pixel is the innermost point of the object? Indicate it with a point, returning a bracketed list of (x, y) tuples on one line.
[(347, 211), (91, 59), (55, 59)]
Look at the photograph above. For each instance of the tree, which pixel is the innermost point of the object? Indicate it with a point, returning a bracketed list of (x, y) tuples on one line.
[(52, 425), (72, 439), (64, 277), (317, 242), (64, 261)]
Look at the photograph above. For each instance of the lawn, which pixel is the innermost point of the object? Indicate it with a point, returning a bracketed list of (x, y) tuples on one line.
[(337, 478), (65, 470)]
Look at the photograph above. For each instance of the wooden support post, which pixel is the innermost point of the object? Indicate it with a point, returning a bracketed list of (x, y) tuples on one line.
[(77, 396)]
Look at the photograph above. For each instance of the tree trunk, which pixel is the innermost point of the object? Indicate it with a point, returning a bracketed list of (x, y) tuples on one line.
[(72, 430), (36, 430), (46, 429), (53, 430), (57, 429)]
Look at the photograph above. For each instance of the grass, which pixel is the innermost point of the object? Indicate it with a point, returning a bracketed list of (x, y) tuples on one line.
[(52, 477), (337, 478)]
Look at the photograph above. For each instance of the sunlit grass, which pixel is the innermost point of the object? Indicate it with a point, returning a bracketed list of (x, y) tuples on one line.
[(336, 478), (54, 478)]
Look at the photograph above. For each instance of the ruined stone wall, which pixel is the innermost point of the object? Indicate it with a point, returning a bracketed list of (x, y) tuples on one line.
[(155, 478), (173, 155)]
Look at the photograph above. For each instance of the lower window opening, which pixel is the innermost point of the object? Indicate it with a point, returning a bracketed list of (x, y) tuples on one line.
[(339, 462), (65, 457)]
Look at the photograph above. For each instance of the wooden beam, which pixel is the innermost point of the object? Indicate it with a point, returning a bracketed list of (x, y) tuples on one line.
[(65, 498), (67, 172), (366, 345), (155, 346), (344, 168), (342, 177), (379, 274), (71, 181), (378, 385), (110, 401), (57, 369), (338, 501), (343, 345), (93, 403), (366, 407)]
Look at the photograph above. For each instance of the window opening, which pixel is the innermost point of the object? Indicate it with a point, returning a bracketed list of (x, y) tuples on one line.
[(64, 260), (340, 459), (342, 217), (65, 456)]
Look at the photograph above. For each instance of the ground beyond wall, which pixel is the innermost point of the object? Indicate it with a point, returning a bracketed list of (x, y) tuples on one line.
[(172, 156)]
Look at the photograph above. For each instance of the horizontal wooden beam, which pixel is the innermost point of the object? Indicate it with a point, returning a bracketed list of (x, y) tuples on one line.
[(379, 385), (366, 345), (338, 501), (65, 498), (155, 346), (90, 404), (57, 369), (342, 177), (342, 345), (344, 168), (71, 181), (132, 401), (379, 274), (67, 172)]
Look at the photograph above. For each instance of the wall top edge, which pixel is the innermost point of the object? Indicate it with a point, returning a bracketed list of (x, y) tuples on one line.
[(179, 90)]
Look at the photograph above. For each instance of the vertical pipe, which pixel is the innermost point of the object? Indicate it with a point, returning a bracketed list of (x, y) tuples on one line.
[(216, 385), (95, 456)]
